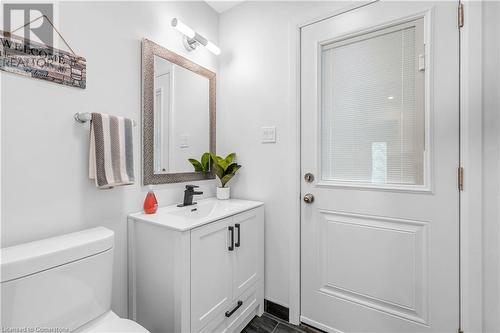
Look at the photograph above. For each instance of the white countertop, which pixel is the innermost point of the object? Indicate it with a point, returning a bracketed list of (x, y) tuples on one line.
[(189, 217)]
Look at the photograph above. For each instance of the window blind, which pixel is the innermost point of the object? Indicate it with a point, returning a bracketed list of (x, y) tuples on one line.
[(371, 122)]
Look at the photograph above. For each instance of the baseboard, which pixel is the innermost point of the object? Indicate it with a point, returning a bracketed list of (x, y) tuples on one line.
[(277, 310), (319, 326)]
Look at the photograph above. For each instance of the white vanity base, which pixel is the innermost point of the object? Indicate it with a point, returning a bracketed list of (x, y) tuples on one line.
[(187, 272)]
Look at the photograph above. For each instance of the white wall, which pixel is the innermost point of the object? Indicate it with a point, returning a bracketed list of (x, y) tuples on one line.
[(491, 166), (45, 189), (254, 91)]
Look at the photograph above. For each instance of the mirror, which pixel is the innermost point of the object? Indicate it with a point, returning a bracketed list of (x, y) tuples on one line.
[(178, 116)]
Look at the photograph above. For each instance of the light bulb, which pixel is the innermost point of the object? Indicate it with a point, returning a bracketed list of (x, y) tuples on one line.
[(184, 29), (212, 48), (193, 38)]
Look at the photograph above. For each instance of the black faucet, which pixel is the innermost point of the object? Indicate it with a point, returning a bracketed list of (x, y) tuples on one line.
[(188, 195)]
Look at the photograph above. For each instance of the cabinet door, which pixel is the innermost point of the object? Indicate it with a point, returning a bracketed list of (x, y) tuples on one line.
[(211, 272), (248, 251)]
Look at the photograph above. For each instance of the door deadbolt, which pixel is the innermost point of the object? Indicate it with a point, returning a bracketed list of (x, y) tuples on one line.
[(309, 177), (309, 198)]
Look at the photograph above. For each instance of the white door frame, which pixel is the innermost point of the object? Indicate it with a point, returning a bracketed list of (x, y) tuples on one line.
[(470, 151), (471, 289)]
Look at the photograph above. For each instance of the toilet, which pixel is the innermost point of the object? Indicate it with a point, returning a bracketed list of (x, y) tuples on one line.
[(62, 284)]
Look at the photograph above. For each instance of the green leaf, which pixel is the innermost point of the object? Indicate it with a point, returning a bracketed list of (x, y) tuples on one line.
[(197, 165), (233, 168), (219, 172), (205, 161), (215, 158), (226, 178), (224, 168), (230, 158), (222, 162)]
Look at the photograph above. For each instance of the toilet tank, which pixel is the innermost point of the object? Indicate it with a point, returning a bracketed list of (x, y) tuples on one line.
[(59, 283)]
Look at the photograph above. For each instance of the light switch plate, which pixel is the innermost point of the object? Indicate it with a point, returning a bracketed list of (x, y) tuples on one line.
[(268, 134), (184, 141)]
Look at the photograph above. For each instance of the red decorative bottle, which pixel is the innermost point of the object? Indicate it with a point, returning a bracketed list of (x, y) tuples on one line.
[(150, 203)]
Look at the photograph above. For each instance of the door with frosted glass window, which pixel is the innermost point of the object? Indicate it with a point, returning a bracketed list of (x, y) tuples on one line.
[(379, 118)]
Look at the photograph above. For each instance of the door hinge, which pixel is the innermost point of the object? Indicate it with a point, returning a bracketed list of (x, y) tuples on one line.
[(421, 62), (460, 15), (460, 178)]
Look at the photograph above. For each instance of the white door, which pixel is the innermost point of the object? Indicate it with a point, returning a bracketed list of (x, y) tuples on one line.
[(211, 272), (380, 125)]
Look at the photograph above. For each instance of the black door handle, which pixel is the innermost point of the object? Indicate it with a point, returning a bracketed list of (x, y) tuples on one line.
[(238, 243), (231, 230), (230, 313)]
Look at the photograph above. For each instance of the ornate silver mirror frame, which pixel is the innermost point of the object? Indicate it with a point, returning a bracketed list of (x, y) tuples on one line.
[(149, 50)]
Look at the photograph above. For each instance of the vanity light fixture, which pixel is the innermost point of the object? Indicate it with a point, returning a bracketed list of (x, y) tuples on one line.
[(192, 38)]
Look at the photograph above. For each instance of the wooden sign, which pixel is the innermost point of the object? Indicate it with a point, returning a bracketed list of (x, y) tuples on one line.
[(25, 57)]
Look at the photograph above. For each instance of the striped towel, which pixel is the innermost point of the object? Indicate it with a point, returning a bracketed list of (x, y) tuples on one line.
[(111, 160)]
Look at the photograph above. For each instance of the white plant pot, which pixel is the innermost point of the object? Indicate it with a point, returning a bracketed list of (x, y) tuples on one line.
[(223, 193)]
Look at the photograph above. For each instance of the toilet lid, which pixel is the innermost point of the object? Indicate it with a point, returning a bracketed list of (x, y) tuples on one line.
[(117, 325)]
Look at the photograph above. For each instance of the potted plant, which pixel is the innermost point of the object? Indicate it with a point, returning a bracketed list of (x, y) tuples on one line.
[(225, 169)]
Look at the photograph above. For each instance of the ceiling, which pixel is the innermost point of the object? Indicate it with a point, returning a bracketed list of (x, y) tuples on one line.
[(222, 6)]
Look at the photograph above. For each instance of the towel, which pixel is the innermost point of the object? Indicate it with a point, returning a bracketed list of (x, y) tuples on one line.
[(111, 160)]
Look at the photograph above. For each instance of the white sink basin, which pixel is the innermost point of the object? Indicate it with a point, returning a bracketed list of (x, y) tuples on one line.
[(203, 212), (206, 208)]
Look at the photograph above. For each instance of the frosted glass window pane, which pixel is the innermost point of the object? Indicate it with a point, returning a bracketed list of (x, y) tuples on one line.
[(372, 128)]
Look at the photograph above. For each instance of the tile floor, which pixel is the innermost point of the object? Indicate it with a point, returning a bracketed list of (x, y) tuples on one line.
[(270, 324)]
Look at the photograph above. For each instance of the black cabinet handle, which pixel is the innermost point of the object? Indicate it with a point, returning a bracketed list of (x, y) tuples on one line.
[(230, 313), (231, 247), (237, 226)]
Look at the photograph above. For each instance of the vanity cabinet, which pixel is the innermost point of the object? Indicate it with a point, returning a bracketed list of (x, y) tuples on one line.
[(193, 273)]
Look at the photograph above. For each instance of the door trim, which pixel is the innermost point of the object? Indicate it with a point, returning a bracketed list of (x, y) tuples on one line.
[(471, 160)]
